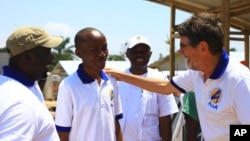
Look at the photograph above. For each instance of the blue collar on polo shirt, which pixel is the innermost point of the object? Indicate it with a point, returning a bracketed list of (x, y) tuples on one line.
[(85, 78), (221, 67), (17, 75)]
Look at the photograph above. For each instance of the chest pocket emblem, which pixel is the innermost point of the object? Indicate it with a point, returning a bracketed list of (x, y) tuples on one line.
[(215, 95), (111, 94)]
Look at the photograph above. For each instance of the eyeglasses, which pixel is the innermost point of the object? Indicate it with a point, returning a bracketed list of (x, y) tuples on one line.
[(183, 45)]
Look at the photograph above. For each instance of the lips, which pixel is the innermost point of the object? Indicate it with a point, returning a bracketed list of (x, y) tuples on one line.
[(102, 61), (139, 59)]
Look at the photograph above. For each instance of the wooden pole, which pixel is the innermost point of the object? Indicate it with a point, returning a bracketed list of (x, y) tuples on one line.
[(246, 45), (172, 41), (225, 23)]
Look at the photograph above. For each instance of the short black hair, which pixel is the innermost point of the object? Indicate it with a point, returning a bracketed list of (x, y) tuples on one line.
[(204, 27)]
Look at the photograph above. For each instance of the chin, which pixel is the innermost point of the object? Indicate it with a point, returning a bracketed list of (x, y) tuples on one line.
[(44, 76), (102, 66), (194, 69)]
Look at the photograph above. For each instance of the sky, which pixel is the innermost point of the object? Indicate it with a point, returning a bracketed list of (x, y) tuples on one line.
[(117, 19)]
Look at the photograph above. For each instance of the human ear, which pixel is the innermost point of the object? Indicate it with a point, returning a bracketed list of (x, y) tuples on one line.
[(127, 54), (204, 46), (78, 53), (29, 56), (150, 53)]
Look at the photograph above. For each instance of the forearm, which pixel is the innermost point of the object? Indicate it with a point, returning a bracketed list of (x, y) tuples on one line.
[(165, 128), (64, 136), (150, 84), (118, 131)]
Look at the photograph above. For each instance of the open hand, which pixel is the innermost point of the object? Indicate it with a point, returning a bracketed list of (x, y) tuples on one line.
[(113, 72)]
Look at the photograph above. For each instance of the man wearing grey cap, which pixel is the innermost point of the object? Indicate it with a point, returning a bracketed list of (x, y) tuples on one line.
[(147, 115), (23, 114)]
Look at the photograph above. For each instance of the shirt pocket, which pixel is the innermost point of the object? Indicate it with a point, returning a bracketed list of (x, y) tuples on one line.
[(151, 110), (151, 103)]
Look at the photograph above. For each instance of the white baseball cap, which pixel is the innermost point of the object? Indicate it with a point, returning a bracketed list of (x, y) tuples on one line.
[(136, 40)]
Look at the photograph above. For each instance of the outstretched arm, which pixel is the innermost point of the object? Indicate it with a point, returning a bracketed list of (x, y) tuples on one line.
[(150, 84)]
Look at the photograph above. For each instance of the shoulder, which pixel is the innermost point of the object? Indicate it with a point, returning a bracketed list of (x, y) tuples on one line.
[(11, 87), (72, 76), (237, 68), (70, 80), (111, 78), (156, 73), (236, 72), (17, 102)]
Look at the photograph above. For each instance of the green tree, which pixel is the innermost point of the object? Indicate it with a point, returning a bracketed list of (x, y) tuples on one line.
[(233, 49), (62, 52), (62, 49), (116, 57), (3, 49), (168, 40)]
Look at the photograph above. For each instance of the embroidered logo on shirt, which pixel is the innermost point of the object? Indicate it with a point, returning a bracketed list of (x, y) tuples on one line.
[(215, 96), (111, 94)]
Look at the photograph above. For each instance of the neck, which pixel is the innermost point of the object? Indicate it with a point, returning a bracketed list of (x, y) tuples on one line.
[(138, 71), (210, 66)]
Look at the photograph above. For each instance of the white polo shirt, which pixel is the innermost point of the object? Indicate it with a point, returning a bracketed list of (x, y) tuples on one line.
[(86, 109), (142, 110), (22, 115), (222, 100)]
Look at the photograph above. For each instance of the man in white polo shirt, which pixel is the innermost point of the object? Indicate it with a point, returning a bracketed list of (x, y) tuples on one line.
[(23, 114), (221, 84), (88, 103)]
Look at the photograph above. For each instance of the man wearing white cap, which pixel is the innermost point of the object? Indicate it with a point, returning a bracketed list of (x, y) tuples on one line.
[(23, 114), (146, 114)]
